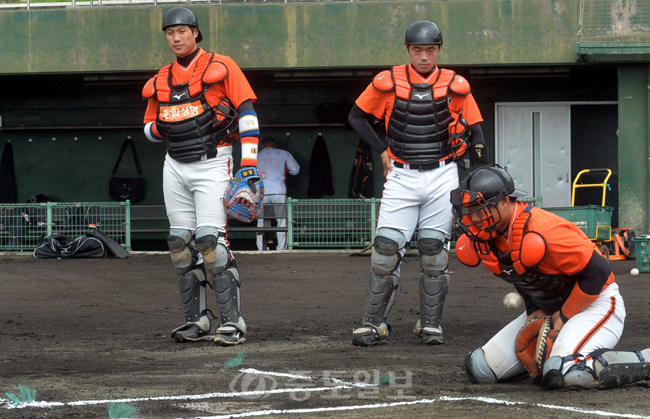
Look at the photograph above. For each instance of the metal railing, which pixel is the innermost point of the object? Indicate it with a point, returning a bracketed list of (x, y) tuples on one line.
[(614, 21), (23, 226), (28, 4), (311, 223)]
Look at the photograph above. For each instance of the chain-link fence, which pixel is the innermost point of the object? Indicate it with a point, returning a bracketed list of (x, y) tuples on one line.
[(332, 223), (100, 3), (23, 226), (614, 21)]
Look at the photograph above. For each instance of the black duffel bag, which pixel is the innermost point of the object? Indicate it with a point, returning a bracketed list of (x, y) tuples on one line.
[(61, 247)]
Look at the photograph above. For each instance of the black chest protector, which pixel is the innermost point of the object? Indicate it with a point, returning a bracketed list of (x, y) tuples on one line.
[(191, 127), (419, 123), (548, 292), (188, 139)]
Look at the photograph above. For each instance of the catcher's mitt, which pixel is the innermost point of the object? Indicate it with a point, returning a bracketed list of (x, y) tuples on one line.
[(534, 343), (244, 195)]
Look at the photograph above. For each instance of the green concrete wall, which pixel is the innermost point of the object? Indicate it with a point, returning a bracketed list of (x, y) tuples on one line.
[(293, 35), (633, 143)]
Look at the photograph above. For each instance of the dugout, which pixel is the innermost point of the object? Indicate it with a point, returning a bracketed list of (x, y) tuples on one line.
[(72, 76)]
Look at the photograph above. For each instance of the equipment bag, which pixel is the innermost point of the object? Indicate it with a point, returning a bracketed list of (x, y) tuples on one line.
[(59, 246), (121, 188)]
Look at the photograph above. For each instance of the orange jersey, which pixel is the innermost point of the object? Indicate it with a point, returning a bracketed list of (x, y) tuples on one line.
[(568, 248), (568, 251), (234, 87), (380, 104)]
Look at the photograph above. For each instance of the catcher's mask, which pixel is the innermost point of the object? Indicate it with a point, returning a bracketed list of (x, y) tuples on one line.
[(225, 121), (477, 195)]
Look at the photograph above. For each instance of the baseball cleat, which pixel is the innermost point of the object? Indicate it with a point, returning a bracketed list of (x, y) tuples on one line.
[(431, 338), (190, 332), (552, 380), (428, 335), (229, 336), (368, 336)]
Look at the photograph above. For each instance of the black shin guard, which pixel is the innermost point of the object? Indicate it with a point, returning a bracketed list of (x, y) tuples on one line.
[(380, 296), (433, 291), (226, 287)]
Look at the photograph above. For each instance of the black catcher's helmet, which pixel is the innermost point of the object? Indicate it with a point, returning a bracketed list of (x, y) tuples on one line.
[(478, 193), (423, 32), (181, 16)]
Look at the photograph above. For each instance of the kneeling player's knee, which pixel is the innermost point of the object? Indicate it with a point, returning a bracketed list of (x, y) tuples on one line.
[(181, 254), (433, 253), (477, 368), (577, 376), (385, 255)]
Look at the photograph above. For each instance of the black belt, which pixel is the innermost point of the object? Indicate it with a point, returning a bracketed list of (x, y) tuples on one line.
[(212, 153), (421, 167)]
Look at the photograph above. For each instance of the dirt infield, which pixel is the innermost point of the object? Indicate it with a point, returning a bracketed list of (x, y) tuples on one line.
[(86, 332)]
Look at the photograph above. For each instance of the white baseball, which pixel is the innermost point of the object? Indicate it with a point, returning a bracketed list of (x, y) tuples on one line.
[(634, 271), (512, 300)]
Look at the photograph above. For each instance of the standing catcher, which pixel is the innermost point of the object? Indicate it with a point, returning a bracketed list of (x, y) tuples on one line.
[(199, 106), (431, 121), (574, 311)]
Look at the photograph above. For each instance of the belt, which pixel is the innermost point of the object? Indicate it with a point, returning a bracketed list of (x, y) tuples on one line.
[(211, 154), (421, 167)]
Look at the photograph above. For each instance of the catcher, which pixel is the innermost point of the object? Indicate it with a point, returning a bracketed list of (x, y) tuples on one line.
[(574, 311), (199, 106)]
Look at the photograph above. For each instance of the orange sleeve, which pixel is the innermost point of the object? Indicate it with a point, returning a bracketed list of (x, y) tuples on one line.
[(379, 104), (569, 249), (152, 109), (235, 86), (577, 302), (470, 109)]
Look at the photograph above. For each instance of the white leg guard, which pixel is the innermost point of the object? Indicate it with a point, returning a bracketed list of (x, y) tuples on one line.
[(610, 369), (617, 368), (477, 368)]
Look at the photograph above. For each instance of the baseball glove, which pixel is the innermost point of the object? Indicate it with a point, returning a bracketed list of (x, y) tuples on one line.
[(534, 343), (244, 195)]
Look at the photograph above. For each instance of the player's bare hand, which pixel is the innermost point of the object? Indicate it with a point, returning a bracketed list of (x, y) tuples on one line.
[(556, 321), (385, 160)]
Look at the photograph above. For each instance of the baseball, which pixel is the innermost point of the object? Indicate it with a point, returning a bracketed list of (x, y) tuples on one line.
[(634, 271), (512, 300)]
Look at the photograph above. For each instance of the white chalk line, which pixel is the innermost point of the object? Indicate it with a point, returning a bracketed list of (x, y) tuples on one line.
[(276, 374), (244, 394), (345, 385), (303, 377), (422, 401)]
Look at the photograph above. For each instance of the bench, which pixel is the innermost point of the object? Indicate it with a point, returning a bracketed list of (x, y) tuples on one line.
[(152, 219)]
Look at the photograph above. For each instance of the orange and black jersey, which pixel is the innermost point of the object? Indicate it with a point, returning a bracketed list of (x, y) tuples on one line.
[(234, 87), (569, 252), (379, 103)]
